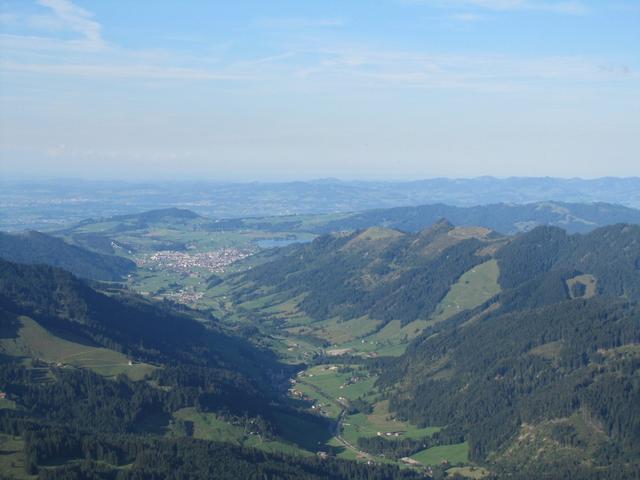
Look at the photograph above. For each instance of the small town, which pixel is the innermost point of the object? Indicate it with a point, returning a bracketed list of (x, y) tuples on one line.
[(215, 261)]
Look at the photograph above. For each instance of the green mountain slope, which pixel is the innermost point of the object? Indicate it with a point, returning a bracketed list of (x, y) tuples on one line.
[(539, 372), (38, 248), (382, 274), (525, 348), (97, 385)]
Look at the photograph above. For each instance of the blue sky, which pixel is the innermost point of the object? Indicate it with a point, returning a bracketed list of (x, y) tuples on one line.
[(270, 90)]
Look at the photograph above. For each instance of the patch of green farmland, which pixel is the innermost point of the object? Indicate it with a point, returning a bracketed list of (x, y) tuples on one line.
[(207, 426), (454, 454), (338, 331), (380, 420), (12, 463), (335, 384), (472, 289), (33, 341)]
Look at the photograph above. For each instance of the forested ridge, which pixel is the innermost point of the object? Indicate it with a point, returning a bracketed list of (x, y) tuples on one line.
[(540, 375), (541, 379), (39, 248), (76, 424), (96, 455), (382, 273), (126, 322)]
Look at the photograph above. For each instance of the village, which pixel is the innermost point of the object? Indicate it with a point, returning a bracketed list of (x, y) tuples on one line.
[(215, 261)]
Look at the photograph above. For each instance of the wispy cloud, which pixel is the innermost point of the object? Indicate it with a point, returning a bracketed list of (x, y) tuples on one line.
[(62, 16), (562, 7), (120, 71), (299, 23), (76, 19), (467, 17), (307, 62), (470, 71)]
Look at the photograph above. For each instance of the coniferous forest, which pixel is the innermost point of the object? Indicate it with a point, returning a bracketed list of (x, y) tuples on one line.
[(538, 379)]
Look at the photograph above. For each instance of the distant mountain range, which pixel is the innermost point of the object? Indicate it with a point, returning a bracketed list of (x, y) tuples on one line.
[(49, 205), (99, 234), (504, 218)]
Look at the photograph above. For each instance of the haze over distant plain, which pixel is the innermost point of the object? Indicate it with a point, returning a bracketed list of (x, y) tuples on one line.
[(255, 90)]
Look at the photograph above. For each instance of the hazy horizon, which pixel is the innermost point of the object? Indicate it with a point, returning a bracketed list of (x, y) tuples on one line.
[(402, 89), (249, 180)]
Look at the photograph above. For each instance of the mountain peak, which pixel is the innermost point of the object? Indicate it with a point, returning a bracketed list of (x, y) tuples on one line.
[(441, 227), (374, 234)]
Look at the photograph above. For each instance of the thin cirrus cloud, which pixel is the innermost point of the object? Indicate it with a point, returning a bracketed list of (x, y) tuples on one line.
[(121, 71), (365, 66), (75, 19), (317, 61), (563, 7), (299, 23), (61, 16)]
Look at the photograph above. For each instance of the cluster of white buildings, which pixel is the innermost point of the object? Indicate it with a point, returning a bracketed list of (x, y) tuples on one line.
[(215, 261)]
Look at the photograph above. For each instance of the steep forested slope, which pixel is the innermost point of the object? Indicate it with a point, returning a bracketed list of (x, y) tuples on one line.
[(142, 330), (74, 423), (611, 254), (125, 322), (39, 248), (383, 273), (543, 381)]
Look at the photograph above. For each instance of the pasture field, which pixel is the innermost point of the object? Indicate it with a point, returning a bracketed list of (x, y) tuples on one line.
[(12, 457), (5, 403), (455, 454), (391, 340), (468, 472), (343, 452), (335, 384), (208, 426), (588, 283), (34, 341), (473, 288), (380, 420), (274, 446), (325, 403), (338, 331)]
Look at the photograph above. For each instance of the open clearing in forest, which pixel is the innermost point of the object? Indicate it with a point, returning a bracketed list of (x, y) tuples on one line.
[(471, 290), (454, 454), (34, 341)]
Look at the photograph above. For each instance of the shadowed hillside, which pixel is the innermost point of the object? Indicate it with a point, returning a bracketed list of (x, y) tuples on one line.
[(38, 248)]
